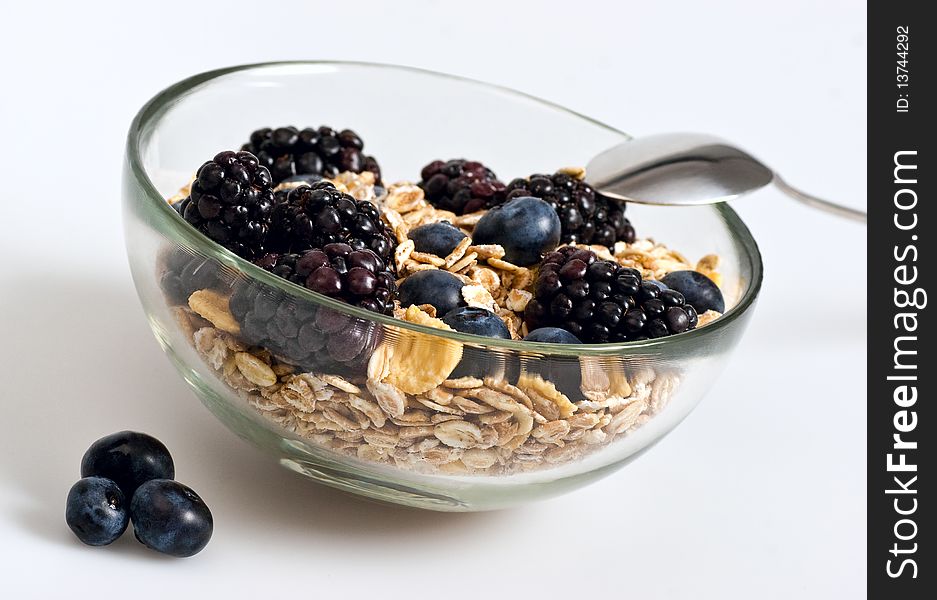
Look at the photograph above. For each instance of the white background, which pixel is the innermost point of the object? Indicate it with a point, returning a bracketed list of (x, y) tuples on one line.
[(759, 494)]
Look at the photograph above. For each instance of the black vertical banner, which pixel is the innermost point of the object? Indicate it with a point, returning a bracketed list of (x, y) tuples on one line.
[(902, 66)]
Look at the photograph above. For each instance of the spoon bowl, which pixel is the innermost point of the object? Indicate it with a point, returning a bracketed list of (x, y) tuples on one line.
[(688, 169)]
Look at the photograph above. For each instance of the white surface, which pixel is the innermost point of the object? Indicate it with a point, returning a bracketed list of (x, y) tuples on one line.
[(760, 493)]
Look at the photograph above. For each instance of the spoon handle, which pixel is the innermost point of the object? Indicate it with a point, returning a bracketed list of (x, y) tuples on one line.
[(836, 209)]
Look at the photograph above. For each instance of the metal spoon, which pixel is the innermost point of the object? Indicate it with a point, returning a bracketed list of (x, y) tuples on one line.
[(690, 169)]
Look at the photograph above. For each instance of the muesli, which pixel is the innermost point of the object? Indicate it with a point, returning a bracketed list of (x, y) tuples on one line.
[(543, 259)]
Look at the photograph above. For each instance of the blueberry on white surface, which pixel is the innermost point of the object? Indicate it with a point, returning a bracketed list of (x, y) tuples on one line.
[(170, 518), (96, 511), (129, 459)]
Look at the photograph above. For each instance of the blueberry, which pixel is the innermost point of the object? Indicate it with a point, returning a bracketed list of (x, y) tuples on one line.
[(436, 238), (441, 289), (476, 361), (96, 511), (697, 289), (170, 518), (525, 227), (551, 335), (477, 321), (129, 458), (565, 372)]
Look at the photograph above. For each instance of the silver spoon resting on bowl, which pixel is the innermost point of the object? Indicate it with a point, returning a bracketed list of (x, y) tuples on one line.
[(690, 169)]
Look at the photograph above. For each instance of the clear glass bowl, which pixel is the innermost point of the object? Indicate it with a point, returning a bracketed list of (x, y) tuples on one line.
[(485, 446)]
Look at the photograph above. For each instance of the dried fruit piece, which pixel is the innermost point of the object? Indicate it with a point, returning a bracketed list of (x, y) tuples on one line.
[(391, 400), (404, 197), (537, 384), (255, 370), (379, 363), (372, 410), (578, 173), (551, 432), (463, 383), (458, 434), (420, 362), (486, 251), (402, 254), (517, 300), (458, 252), (212, 306), (619, 385), (340, 383), (478, 297), (463, 263), (708, 317), (477, 458)]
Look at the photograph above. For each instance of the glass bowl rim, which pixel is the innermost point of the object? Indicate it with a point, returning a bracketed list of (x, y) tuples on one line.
[(172, 225)]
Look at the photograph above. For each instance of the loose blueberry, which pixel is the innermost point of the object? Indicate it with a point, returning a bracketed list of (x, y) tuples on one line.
[(436, 238), (170, 518), (441, 289), (477, 321), (551, 335), (96, 511), (697, 289), (526, 227), (129, 458)]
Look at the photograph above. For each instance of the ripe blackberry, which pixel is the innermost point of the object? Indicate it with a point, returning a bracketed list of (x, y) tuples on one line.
[(358, 277), (600, 301), (586, 216), (313, 216), (230, 202), (314, 338), (183, 273), (461, 186), (289, 151)]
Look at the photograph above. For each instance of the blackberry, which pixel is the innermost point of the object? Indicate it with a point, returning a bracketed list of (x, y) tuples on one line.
[(600, 301), (288, 151), (316, 215), (586, 216), (357, 277), (231, 201), (311, 336), (461, 186), (183, 273), (314, 338)]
